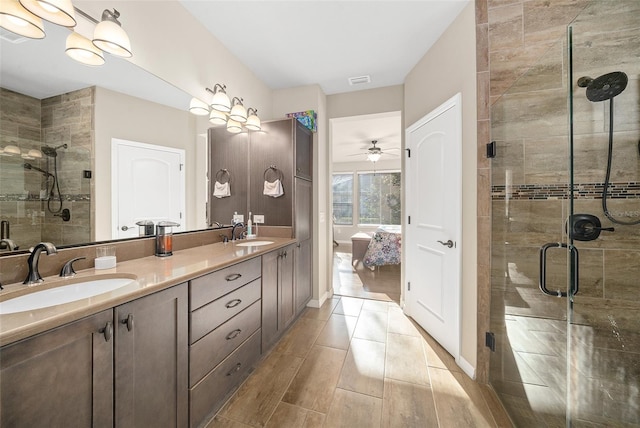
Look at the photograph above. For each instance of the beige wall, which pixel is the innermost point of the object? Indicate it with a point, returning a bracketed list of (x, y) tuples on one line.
[(129, 118), (447, 68)]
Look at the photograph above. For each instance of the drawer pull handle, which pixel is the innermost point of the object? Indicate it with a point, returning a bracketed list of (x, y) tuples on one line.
[(233, 303), (233, 276), (235, 369), (107, 331), (234, 334), (128, 322)]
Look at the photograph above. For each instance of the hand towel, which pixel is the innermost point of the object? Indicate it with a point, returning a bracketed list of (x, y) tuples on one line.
[(221, 190), (273, 189)]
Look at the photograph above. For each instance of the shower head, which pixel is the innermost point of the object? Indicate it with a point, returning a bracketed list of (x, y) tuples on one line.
[(35, 168), (53, 151), (604, 87)]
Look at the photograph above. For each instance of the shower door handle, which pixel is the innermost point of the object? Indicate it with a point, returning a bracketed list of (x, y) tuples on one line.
[(543, 269)]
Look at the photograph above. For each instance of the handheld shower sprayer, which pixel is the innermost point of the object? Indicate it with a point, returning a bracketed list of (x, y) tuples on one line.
[(35, 168)]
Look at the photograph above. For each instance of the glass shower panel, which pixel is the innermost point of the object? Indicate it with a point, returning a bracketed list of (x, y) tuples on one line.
[(604, 345), (529, 208)]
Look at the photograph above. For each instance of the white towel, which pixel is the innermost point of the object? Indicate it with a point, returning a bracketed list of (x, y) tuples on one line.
[(221, 190), (275, 189)]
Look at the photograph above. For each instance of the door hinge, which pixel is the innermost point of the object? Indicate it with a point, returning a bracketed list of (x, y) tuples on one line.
[(408, 286), (181, 165), (180, 215), (409, 220), (491, 150), (490, 341), (408, 152)]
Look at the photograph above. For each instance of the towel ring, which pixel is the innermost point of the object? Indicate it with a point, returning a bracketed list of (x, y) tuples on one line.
[(221, 174), (272, 168)]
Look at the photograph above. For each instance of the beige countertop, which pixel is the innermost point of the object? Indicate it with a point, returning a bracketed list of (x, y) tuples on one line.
[(151, 274)]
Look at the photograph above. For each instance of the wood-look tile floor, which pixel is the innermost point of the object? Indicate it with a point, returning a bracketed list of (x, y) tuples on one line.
[(359, 363)]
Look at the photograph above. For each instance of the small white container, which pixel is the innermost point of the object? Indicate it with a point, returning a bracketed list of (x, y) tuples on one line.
[(252, 236), (105, 262)]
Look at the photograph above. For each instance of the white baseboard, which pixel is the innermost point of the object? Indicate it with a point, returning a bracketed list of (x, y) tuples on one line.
[(313, 303), (466, 367)]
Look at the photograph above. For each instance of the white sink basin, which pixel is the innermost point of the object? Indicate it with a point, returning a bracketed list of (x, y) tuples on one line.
[(254, 243), (63, 294)]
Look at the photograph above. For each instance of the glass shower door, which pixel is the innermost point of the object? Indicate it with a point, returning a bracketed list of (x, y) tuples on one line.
[(604, 216)]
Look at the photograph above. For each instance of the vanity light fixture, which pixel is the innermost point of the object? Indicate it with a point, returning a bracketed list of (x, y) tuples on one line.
[(59, 12), (238, 112), (220, 100), (217, 117), (253, 121), (110, 37), (12, 150), (34, 154), (198, 107), (82, 50), (233, 126), (18, 20)]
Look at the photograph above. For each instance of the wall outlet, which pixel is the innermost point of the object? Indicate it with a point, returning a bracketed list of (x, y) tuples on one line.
[(238, 218), (258, 219)]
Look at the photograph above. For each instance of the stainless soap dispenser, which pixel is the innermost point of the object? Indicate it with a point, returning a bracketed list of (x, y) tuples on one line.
[(164, 238)]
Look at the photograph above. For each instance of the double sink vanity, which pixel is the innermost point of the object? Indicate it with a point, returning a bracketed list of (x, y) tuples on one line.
[(152, 342)]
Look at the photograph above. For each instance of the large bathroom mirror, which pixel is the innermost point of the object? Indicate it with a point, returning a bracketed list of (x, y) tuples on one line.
[(57, 119)]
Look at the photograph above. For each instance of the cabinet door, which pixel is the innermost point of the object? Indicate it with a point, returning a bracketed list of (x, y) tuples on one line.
[(151, 360), (228, 152), (269, 299), (303, 274), (287, 302), (304, 151), (303, 212), (272, 146), (60, 378)]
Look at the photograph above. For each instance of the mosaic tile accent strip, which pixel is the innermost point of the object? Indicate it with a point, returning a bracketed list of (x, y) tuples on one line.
[(626, 190), (34, 198)]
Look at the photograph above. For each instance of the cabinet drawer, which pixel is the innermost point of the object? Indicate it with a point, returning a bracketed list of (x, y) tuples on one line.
[(216, 284), (209, 394), (210, 316), (207, 352)]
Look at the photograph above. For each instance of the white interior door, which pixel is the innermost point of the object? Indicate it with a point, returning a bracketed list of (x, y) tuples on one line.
[(147, 184), (432, 238)]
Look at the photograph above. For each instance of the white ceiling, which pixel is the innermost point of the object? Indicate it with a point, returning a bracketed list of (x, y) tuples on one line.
[(352, 136)]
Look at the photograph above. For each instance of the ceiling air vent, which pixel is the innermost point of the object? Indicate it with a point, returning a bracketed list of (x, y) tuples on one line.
[(11, 37), (359, 80)]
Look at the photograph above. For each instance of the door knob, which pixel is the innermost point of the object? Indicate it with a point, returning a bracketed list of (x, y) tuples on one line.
[(125, 228), (449, 243)]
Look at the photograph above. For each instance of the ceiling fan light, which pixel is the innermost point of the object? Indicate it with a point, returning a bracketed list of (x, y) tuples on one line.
[(233, 126), (82, 50), (59, 12), (373, 157), (217, 117), (198, 107), (18, 20), (110, 37), (253, 121)]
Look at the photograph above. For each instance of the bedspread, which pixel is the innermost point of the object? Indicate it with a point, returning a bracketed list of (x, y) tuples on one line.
[(384, 249)]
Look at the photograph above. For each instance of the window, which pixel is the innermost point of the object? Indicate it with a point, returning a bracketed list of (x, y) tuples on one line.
[(379, 198), (343, 198)]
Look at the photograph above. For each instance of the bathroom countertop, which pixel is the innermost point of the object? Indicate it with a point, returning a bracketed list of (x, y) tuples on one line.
[(151, 274)]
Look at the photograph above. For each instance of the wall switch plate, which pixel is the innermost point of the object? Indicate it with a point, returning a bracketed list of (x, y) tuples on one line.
[(258, 219), (238, 218)]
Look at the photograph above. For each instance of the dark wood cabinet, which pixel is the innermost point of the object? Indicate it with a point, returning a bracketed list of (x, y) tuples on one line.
[(303, 274), (151, 360), (303, 151), (60, 378), (278, 294)]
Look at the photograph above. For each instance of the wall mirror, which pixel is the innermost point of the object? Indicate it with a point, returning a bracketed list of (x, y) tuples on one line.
[(49, 163)]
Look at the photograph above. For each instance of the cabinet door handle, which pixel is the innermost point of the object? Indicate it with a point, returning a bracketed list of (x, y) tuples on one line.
[(233, 303), (234, 334), (107, 331), (235, 369), (233, 277), (128, 322)]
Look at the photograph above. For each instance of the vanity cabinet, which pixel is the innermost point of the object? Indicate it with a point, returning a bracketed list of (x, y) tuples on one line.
[(303, 274), (278, 294), (151, 355), (60, 378), (123, 367), (224, 338)]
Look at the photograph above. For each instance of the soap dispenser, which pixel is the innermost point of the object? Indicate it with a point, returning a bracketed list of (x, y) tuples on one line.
[(164, 238)]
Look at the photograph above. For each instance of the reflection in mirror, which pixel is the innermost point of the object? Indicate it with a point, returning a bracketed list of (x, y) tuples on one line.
[(47, 138)]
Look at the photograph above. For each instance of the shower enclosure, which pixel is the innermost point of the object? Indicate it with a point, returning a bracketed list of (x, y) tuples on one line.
[(565, 286)]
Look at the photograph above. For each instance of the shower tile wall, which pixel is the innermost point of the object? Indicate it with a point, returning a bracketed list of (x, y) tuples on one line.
[(529, 117), (29, 123)]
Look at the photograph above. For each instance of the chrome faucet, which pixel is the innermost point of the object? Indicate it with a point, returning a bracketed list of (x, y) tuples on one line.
[(233, 230), (8, 244), (34, 276)]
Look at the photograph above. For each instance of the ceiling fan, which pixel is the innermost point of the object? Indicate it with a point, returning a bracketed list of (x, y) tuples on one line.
[(374, 152)]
